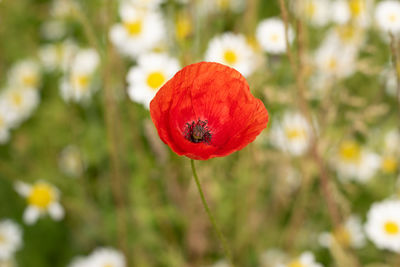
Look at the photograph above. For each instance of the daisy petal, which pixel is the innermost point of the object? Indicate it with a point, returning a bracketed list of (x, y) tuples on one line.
[(31, 215), (22, 188), (56, 211)]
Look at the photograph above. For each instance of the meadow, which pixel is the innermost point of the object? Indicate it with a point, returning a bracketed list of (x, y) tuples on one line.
[(86, 180)]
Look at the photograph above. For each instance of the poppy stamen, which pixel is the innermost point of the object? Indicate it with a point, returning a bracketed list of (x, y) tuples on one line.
[(198, 132)]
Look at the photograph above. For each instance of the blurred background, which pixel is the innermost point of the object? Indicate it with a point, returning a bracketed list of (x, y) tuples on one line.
[(86, 181)]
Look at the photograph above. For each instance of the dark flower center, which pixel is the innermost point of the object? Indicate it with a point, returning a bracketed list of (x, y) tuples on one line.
[(198, 132)]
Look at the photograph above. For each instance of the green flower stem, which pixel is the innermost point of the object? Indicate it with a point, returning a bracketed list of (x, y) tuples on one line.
[(220, 236)]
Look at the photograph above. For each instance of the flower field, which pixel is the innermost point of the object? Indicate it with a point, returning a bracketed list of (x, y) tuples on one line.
[(209, 133)]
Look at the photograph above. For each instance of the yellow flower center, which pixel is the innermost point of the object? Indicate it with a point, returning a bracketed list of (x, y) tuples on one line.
[(1, 122), (29, 80), (81, 82), (356, 7), (134, 28), (310, 9), (155, 79), (230, 57), (342, 236), (391, 228), (223, 4), (392, 18), (183, 27), (41, 196), (295, 133), (332, 64), (2, 239), (108, 265), (389, 164), (274, 37), (17, 99), (350, 152), (295, 263), (346, 33)]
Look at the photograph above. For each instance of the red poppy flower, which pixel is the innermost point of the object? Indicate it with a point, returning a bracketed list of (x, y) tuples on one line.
[(206, 110)]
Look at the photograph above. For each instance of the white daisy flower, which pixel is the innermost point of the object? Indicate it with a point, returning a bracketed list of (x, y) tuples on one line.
[(71, 161), (361, 12), (392, 141), (107, 257), (340, 12), (270, 34), (144, 4), (42, 198), (272, 258), (355, 163), (306, 259), (389, 79), (387, 16), (391, 152), (25, 74), (350, 234), (347, 35), (5, 124), (53, 29), (334, 59), (139, 31), (383, 225), (77, 85), (18, 104), (152, 71), (317, 12), (207, 7), (81, 262), (58, 55), (63, 8), (232, 50), (356, 11), (292, 134), (10, 239)]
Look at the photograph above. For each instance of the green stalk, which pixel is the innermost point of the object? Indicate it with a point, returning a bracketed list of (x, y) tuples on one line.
[(220, 236)]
